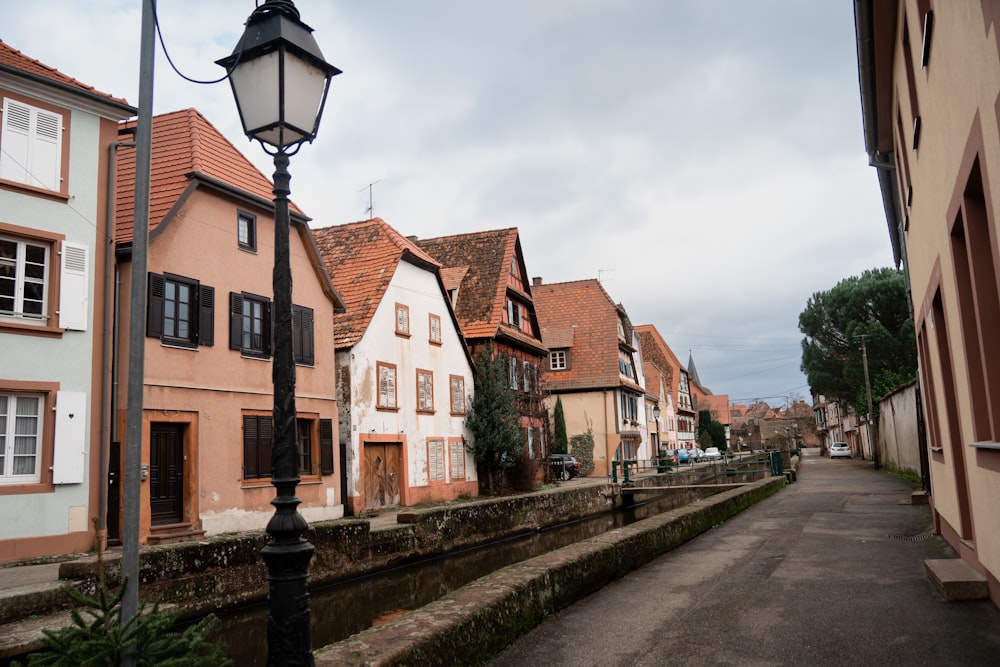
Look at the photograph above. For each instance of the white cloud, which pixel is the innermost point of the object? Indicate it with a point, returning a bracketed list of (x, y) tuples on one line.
[(705, 158)]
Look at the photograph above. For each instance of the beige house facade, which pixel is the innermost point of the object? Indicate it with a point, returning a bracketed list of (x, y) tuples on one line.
[(930, 90)]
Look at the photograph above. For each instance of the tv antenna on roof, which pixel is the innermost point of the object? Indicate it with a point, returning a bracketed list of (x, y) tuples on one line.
[(601, 272), (371, 205)]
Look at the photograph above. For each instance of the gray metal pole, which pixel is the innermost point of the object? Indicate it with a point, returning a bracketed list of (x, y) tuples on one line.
[(871, 416), (137, 321)]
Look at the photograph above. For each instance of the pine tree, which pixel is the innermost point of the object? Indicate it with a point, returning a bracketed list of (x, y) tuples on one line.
[(494, 419), (560, 444)]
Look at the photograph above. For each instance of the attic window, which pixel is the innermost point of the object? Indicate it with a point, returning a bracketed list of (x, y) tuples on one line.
[(402, 320), (559, 360), (246, 231)]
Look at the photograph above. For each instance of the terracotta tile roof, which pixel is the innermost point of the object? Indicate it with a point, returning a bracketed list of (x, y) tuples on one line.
[(361, 258), (453, 277), (718, 406), (652, 374), (185, 146), (586, 309), (481, 295), (11, 58)]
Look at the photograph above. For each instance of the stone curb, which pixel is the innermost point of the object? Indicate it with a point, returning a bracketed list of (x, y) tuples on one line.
[(480, 619)]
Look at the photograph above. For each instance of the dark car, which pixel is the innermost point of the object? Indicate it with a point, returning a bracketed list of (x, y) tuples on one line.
[(563, 466)]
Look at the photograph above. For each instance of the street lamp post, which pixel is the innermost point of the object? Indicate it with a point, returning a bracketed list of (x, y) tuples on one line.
[(280, 81)]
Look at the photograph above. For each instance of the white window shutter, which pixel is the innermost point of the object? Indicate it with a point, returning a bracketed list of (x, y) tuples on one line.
[(74, 287), (46, 150), (16, 136), (71, 437)]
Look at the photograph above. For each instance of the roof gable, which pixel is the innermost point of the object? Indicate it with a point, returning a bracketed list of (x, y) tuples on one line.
[(583, 313), (187, 151), (12, 59), (361, 259), (486, 255)]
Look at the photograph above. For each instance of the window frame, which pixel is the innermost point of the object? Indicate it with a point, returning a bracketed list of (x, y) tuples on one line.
[(60, 163), (402, 321), (237, 322), (456, 452), (434, 335), (47, 443), (201, 309), (55, 289), (307, 443), (436, 444), (554, 354), (392, 369), (425, 395), (250, 221), (456, 396)]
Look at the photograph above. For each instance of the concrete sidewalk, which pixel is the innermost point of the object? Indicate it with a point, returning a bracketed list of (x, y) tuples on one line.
[(830, 571)]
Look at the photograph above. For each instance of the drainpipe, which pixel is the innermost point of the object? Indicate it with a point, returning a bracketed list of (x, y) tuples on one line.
[(109, 352)]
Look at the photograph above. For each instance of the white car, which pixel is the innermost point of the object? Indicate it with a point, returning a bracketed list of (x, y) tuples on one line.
[(712, 454), (840, 450)]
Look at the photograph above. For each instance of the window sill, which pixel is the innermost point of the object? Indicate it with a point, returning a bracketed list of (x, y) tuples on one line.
[(10, 326), (24, 187), (402, 334), (985, 445), (382, 408), (425, 412), (436, 343)]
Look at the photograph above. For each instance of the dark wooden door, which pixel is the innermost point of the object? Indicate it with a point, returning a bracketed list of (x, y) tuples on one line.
[(114, 493), (381, 482), (166, 474)]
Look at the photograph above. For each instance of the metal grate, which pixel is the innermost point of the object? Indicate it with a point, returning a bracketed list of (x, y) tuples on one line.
[(920, 537)]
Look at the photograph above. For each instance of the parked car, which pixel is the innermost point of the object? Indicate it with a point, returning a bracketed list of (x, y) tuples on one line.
[(564, 466), (683, 456), (712, 454), (697, 454), (840, 450)]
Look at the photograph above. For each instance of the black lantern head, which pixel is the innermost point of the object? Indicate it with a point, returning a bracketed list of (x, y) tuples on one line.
[(279, 77)]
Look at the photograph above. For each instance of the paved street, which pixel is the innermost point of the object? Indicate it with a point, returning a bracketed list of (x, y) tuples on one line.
[(819, 574)]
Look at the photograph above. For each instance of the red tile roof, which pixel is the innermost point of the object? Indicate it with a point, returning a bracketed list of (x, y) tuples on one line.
[(655, 348), (185, 146), (718, 406), (585, 310), (361, 258), (11, 58), (486, 255)]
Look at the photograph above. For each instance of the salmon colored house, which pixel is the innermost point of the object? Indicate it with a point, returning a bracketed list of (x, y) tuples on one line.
[(487, 283), (207, 393), (404, 374)]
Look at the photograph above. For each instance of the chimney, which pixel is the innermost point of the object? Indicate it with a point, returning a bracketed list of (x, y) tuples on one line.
[(537, 280)]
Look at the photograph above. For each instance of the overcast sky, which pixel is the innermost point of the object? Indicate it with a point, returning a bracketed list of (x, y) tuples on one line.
[(703, 158)]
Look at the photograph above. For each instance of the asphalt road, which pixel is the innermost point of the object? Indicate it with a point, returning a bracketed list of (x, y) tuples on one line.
[(822, 573)]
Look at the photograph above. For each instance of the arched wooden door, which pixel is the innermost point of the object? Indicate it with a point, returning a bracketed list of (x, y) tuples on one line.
[(382, 474)]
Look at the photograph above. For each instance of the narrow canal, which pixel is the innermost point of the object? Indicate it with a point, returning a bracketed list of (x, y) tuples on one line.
[(344, 608)]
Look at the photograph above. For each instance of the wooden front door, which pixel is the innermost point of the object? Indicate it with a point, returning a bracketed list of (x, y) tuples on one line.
[(381, 479), (166, 474)]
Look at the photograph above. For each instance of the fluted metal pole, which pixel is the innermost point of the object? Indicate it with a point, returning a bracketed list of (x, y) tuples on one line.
[(289, 640)]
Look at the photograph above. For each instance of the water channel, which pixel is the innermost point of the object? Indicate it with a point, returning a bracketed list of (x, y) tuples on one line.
[(344, 608)]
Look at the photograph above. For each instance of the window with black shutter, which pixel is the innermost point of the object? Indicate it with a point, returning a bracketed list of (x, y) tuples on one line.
[(180, 311), (250, 324), (302, 335)]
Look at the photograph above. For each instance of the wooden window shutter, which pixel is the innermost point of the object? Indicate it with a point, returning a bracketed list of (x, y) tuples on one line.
[(326, 446), (302, 335), (235, 321), (206, 315), (154, 306), (250, 436)]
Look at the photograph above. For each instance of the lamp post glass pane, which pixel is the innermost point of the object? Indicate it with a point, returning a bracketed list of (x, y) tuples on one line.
[(257, 87)]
